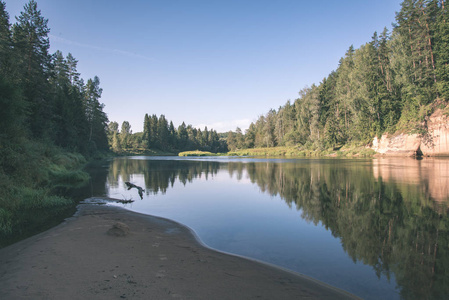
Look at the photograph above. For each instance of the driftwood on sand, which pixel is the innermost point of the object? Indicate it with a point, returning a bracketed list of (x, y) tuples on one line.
[(139, 189)]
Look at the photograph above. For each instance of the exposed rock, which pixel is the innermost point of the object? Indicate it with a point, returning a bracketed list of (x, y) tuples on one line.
[(400, 144), (435, 143), (119, 229)]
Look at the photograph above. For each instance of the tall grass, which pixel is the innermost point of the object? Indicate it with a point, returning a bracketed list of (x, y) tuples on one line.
[(29, 198), (293, 152), (198, 153), (5, 221), (29, 172)]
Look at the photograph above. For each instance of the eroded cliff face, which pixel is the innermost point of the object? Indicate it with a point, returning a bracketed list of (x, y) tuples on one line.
[(438, 141), (435, 143)]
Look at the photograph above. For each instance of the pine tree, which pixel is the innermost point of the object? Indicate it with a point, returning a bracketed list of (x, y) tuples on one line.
[(415, 63), (250, 136), (231, 141), (172, 136), (146, 131), (62, 132), (442, 51), (269, 139), (31, 44), (70, 125), (307, 114), (96, 118), (6, 53), (73, 75), (116, 144), (345, 87), (12, 105), (182, 136), (153, 138), (125, 134), (162, 132)]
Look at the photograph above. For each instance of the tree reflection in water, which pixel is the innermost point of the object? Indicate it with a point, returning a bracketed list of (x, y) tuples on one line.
[(388, 213)]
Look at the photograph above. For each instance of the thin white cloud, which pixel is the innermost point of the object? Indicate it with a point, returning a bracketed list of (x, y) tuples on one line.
[(103, 49), (225, 126)]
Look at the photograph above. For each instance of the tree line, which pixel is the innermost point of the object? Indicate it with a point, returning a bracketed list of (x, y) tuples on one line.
[(42, 96), (159, 133), (394, 82)]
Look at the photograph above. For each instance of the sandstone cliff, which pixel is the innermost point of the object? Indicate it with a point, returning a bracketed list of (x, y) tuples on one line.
[(435, 143)]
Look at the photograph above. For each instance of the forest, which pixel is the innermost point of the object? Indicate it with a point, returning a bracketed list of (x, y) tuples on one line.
[(392, 83), (159, 133), (42, 95), (51, 121)]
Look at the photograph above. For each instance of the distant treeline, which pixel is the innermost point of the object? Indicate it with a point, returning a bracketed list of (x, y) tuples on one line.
[(42, 96), (159, 133), (392, 83)]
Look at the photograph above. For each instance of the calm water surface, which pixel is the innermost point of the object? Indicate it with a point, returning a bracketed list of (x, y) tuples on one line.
[(376, 228)]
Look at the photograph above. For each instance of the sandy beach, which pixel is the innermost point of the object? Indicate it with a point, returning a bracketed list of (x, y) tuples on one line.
[(106, 252)]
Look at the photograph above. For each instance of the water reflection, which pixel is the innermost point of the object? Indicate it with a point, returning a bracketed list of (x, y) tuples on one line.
[(159, 174), (390, 214), (430, 175)]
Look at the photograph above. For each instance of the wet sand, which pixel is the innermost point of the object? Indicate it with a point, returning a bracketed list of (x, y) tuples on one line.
[(106, 252)]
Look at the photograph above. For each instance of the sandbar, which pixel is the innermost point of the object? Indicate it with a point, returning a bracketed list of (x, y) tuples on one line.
[(107, 252)]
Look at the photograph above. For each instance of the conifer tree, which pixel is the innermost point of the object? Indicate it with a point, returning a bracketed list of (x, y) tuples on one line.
[(125, 134), (73, 75), (414, 53), (96, 118), (182, 136), (31, 44), (172, 135), (6, 50), (146, 131), (12, 105), (162, 132), (153, 140), (442, 51)]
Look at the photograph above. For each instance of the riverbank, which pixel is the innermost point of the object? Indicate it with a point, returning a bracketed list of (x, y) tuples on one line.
[(31, 175), (297, 152), (106, 252)]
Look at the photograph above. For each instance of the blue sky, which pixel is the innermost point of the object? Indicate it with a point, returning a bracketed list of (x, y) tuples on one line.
[(211, 63)]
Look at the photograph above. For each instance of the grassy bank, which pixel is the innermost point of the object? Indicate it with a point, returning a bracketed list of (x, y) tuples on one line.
[(199, 153), (292, 152), (29, 174), (143, 151), (346, 151)]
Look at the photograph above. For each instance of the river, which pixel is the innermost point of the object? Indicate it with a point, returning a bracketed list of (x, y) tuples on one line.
[(377, 228)]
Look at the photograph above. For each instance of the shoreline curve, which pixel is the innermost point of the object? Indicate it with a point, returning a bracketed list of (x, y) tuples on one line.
[(108, 252)]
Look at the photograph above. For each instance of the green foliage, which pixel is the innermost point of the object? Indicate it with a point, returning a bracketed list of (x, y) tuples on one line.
[(29, 172), (198, 153), (391, 83), (6, 221), (42, 96), (46, 111), (31, 198), (160, 135), (49, 119)]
